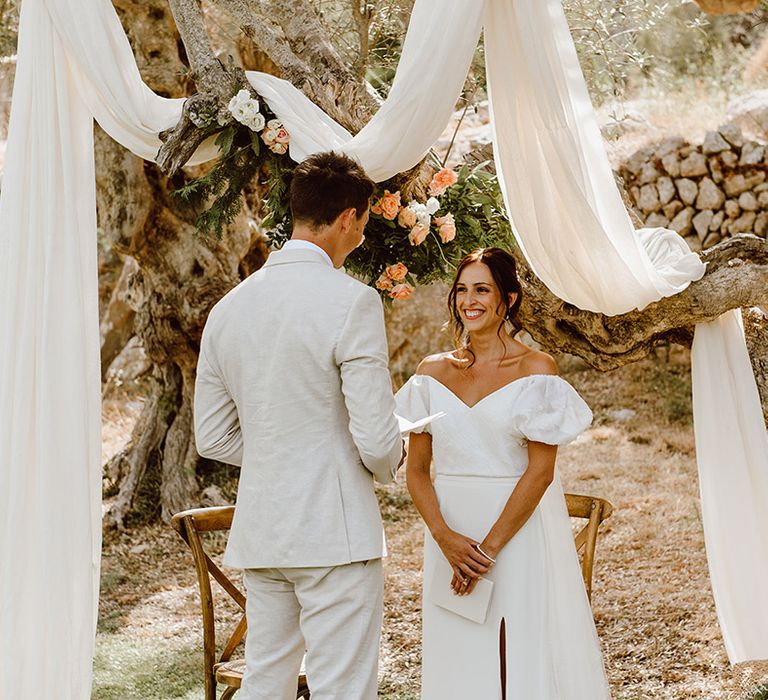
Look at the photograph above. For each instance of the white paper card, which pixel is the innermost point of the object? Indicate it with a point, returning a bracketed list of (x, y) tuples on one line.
[(407, 426), (473, 606)]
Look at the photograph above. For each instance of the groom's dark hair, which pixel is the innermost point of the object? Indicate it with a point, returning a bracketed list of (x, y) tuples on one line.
[(326, 184)]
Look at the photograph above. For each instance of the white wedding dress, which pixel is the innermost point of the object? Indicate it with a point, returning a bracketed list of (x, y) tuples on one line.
[(479, 453)]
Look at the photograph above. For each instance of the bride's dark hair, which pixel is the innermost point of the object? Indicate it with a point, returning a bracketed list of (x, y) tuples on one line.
[(504, 273)]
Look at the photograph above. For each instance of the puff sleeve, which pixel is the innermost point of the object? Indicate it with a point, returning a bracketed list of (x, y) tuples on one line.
[(412, 401), (549, 410)]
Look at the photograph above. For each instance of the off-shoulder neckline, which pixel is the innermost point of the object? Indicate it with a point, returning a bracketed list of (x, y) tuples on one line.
[(492, 393)]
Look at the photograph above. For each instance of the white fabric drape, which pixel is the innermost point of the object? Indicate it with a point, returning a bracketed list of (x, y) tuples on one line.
[(75, 63), (733, 480)]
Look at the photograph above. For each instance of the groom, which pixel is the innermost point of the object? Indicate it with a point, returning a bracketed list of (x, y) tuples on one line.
[(292, 384)]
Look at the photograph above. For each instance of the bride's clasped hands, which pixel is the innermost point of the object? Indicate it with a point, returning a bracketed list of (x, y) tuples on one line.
[(465, 557)]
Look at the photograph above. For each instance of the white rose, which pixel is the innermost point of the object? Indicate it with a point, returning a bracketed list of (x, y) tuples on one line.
[(256, 122), (239, 99), (422, 214), (432, 205), (279, 148), (274, 124)]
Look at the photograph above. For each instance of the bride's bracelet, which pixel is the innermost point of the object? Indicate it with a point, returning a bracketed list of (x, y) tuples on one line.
[(491, 559)]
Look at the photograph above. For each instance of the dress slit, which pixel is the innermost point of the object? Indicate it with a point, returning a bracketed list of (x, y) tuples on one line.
[(503, 657)]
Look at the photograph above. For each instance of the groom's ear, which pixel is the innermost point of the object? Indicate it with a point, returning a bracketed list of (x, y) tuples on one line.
[(346, 218)]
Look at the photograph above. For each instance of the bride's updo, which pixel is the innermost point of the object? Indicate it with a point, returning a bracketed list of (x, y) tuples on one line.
[(504, 273)]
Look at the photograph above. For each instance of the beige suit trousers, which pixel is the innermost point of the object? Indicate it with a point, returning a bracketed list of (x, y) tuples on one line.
[(332, 613)]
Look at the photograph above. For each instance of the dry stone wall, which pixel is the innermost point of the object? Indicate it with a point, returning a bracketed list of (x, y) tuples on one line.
[(705, 192)]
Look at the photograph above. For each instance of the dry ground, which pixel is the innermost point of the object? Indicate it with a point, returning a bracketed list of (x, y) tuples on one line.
[(652, 601)]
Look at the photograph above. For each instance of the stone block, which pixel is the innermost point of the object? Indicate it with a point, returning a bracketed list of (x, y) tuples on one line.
[(687, 189), (729, 159), (695, 165), (717, 221), (683, 222), (732, 134), (657, 219), (752, 154), (649, 199), (701, 222), (666, 189), (714, 143), (648, 174), (671, 209), (694, 243), (716, 169), (735, 185), (711, 239), (754, 178), (744, 224), (732, 209), (761, 224), (762, 199), (670, 145), (671, 163), (710, 195), (748, 201), (637, 161)]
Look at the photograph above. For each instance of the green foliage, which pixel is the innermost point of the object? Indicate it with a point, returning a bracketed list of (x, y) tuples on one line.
[(758, 693), (217, 195), (475, 202), (627, 45)]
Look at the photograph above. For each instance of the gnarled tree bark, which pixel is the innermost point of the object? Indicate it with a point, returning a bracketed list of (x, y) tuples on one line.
[(181, 276), (736, 277)]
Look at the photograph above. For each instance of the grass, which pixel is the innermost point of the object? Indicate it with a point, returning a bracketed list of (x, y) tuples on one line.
[(126, 668)]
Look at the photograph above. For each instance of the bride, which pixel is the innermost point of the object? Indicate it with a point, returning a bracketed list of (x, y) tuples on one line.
[(496, 510)]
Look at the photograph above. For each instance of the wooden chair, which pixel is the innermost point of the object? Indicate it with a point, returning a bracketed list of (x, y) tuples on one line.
[(594, 510), (189, 524)]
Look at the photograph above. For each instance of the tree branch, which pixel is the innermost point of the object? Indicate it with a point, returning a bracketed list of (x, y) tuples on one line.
[(294, 38), (736, 277), (206, 111)]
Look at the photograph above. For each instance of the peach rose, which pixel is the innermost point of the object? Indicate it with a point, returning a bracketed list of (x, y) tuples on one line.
[(401, 291), (407, 217), (442, 181), (447, 227), (388, 206), (418, 234), (282, 136), (384, 282), (396, 272)]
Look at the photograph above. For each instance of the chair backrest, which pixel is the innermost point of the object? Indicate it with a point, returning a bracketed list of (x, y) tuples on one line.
[(189, 524), (594, 510)]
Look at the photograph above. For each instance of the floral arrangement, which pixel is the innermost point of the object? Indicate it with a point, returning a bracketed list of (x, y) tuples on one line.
[(405, 243)]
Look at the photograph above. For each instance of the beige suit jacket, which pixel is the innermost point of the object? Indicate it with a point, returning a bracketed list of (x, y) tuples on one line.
[(293, 385)]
